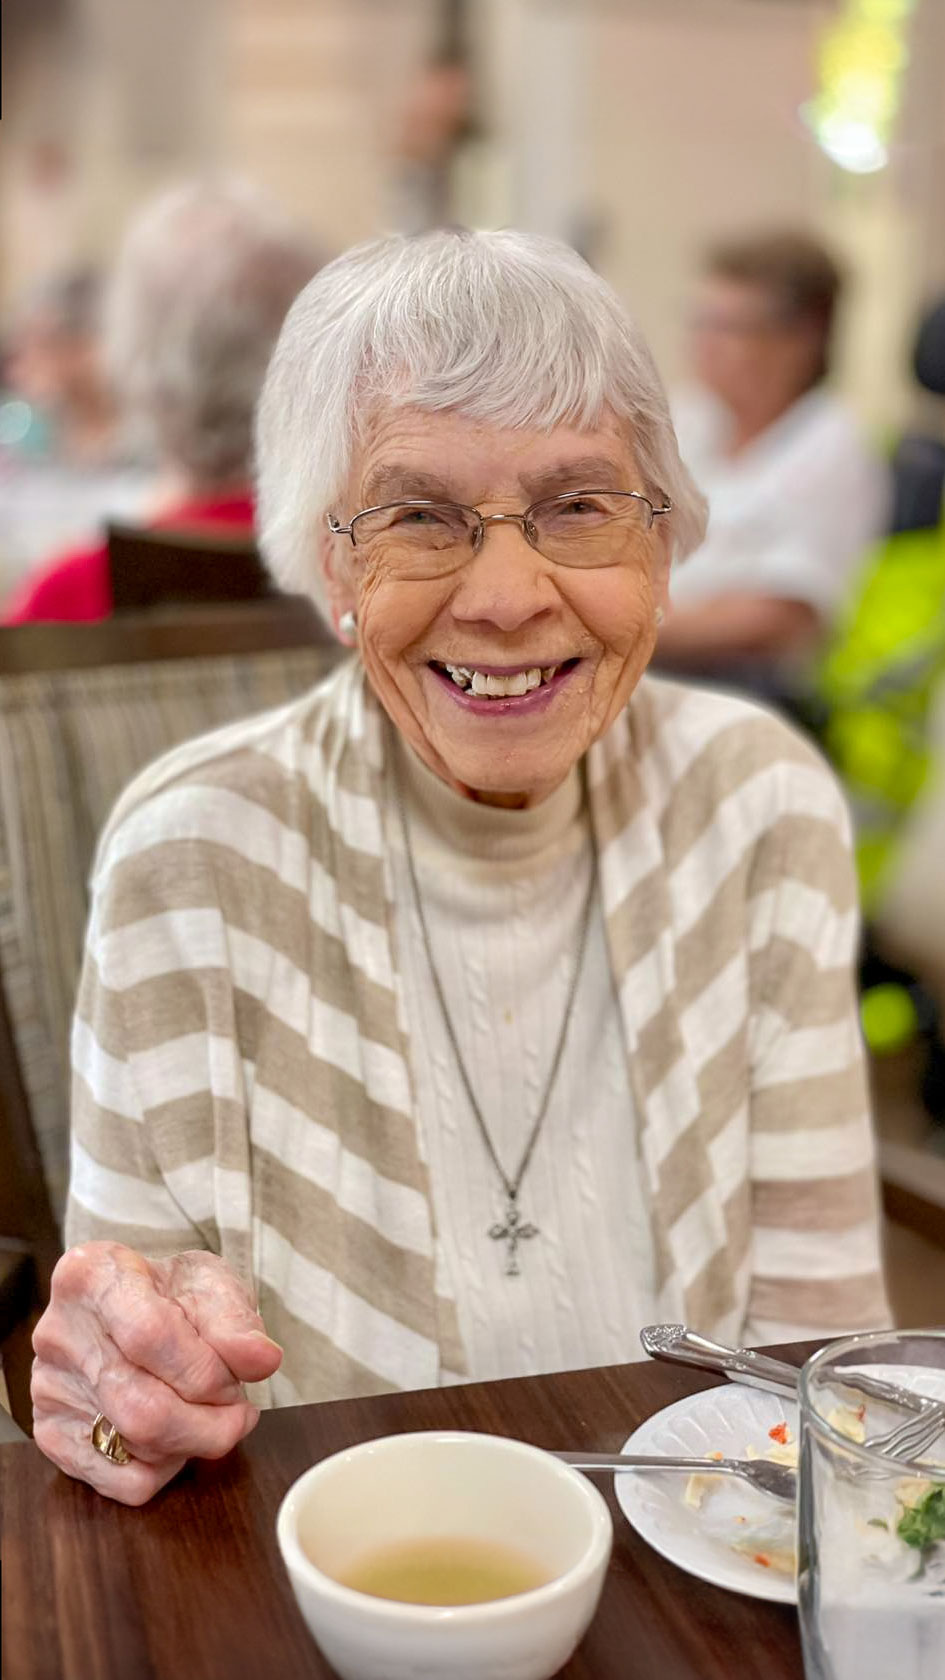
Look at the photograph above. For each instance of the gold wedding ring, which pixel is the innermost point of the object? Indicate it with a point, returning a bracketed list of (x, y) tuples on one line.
[(107, 1441)]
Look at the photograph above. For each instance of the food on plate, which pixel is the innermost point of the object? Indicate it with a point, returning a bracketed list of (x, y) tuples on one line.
[(849, 1421), (770, 1547), (697, 1486), (923, 1520), (776, 1554)]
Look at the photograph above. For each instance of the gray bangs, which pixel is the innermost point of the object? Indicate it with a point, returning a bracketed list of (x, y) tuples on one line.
[(502, 346)]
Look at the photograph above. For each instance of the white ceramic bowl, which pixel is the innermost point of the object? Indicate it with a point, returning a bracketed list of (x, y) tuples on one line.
[(410, 1487)]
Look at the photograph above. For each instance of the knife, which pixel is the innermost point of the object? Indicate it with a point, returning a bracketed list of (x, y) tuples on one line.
[(680, 1345)]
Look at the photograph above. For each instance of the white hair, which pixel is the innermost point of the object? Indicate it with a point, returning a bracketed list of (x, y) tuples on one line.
[(504, 327), (201, 288)]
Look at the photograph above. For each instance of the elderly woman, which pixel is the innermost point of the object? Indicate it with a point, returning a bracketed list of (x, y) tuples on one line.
[(490, 1001), (201, 289)]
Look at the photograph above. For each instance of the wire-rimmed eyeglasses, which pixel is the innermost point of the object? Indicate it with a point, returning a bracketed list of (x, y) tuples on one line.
[(420, 538)]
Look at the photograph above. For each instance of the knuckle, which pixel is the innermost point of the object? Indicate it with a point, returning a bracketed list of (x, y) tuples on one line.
[(44, 1431), (64, 1340), (201, 1379), (142, 1415), (42, 1385), (145, 1330), (52, 1336), (71, 1272), (196, 1272), (46, 1335), (233, 1424), (81, 1269), (53, 1442)]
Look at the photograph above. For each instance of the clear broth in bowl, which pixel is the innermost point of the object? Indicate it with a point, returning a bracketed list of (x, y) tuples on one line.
[(444, 1571)]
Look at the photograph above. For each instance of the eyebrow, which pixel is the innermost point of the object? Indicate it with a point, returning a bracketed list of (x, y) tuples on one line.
[(396, 482), (587, 472), (393, 483)]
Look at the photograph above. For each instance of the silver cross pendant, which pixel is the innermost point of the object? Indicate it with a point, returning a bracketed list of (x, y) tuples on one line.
[(512, 1233)]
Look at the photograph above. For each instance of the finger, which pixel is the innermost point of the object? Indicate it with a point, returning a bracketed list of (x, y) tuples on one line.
[(251, 1355), (66, 1439), (155, 1423), (220, 1309), (109, 1295), (77, 1344), (155, 1336)]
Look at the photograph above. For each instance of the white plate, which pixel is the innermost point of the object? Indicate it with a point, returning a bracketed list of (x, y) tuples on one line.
[(727, 1420)]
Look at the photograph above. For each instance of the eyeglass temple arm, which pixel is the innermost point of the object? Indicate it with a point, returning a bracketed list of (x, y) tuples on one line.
[(338, 530)]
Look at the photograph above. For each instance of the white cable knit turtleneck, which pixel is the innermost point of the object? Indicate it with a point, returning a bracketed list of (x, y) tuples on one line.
[(503, 894)]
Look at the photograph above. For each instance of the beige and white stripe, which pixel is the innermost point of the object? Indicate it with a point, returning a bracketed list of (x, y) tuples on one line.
[(242, 1064)]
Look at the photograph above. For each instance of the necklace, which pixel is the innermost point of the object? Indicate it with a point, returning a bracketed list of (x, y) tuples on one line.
[(513, 1229)]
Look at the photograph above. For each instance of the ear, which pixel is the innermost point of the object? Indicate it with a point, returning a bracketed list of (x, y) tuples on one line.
[(338, 585)]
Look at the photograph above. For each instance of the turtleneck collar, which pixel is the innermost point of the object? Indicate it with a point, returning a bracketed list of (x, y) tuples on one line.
[(485, 831)]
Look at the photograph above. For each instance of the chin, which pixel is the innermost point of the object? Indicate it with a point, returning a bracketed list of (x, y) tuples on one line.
[(507, 774)]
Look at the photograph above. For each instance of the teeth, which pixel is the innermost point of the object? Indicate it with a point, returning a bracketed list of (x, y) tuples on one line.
[(495, 688)]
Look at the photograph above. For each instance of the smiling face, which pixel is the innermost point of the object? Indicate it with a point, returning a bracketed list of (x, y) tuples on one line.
[(506, 612)]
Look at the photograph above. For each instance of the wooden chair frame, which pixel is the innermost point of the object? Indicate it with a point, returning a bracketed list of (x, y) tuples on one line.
[(159, 567)]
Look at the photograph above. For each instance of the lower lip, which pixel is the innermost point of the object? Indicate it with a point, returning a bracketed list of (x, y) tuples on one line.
[(512, 705)]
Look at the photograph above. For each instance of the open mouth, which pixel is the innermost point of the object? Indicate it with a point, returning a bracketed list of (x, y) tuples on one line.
[(490, 684)]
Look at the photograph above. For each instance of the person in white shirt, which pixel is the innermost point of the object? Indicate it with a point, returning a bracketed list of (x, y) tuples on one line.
[(795, 495)]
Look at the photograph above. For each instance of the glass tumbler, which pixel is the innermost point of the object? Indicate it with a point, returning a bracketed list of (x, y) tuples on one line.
[(871, 1527)]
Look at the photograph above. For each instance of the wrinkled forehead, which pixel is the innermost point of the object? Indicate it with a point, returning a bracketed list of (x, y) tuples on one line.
[(404, 451)]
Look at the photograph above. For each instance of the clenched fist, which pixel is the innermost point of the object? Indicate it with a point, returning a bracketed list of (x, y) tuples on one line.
[(161, 1347)]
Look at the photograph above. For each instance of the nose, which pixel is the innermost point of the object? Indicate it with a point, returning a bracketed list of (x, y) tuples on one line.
[(506, 582)]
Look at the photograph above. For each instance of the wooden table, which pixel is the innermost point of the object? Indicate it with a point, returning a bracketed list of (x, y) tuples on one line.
[(192, 1587)]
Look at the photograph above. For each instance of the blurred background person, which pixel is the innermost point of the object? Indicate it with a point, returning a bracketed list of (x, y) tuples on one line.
[(205, 278), (55, 365), (796, 496), (66, 461)]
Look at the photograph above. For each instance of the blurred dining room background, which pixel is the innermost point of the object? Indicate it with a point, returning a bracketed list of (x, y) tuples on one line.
[(643, 132)]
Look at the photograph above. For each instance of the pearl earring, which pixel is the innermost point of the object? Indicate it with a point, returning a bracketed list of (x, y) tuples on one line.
[(347, 625), (659, 615)]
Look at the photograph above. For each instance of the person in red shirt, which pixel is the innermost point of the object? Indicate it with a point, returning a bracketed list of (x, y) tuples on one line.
[(203, 283)]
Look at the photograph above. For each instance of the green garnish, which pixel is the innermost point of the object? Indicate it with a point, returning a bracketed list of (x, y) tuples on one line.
[(924, 1522), (878, 1522)]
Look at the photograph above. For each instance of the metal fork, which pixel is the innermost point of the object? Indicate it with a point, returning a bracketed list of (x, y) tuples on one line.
[(774, 1479), (911, 1439)]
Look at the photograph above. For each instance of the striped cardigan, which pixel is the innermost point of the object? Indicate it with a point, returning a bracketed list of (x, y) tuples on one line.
[(241, 1047)]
